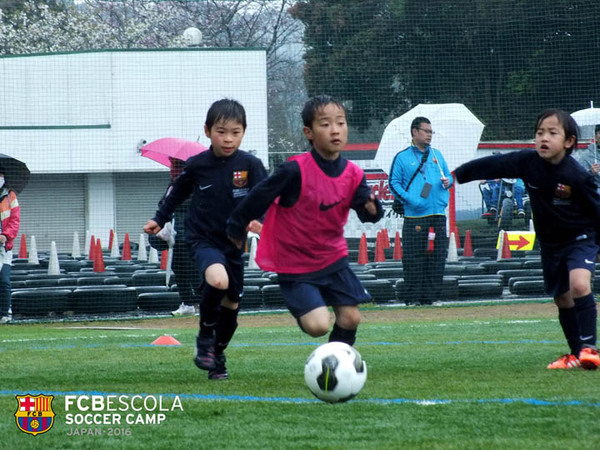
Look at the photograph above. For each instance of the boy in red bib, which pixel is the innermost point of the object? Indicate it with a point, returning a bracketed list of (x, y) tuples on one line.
[(307, 201)]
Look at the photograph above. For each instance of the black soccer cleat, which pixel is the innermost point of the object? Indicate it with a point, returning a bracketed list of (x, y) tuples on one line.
[(205, 353), (220, 371)]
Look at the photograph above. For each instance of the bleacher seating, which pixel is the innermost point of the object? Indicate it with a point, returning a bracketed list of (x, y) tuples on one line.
[(129, 286)]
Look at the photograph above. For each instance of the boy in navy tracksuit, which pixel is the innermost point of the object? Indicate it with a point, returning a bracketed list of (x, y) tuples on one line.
[(566, 213), (217, 179)]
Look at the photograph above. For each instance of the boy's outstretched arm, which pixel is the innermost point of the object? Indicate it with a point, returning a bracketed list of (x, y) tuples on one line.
[(491, 167)]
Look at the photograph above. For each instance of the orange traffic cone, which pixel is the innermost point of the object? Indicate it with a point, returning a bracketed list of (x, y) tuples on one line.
[(457, 237), (398, 246), (126, 249), (468, 250), (506, 247), (379, 251), (98, 257), (92, 252), (386, 238), (363, 254), (164, 257), (23, 248)]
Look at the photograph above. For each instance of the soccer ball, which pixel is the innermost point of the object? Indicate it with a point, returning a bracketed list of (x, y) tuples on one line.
[(335, 372)]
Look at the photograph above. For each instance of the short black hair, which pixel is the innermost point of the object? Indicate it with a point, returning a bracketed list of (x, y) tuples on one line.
[(597, 128), (312, 106), (568, 123), (225, 109), (416, 123)]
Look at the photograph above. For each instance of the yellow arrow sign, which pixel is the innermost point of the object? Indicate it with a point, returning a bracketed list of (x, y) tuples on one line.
[(518, 240)]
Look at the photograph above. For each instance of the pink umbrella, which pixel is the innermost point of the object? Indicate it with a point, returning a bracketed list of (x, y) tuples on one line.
[(161, 149)]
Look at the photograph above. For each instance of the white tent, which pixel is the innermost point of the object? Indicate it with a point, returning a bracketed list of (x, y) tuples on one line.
[(456, 134)]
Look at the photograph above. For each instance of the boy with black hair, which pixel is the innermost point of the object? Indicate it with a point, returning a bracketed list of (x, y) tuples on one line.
[(566, 213), (218, 180), (308, 200)]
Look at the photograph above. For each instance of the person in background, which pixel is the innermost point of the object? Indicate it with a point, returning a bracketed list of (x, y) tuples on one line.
[(589, 157), (425, 200), (519, 192), (566, 215), (490, 190), (10, 220), (218, 180), (186, 276)]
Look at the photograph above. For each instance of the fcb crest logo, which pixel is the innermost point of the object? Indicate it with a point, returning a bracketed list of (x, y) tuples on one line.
[(562, 191), (34, 413), (240, 178)]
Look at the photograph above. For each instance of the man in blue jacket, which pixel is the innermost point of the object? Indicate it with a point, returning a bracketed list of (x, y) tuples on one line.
[(420, 179)]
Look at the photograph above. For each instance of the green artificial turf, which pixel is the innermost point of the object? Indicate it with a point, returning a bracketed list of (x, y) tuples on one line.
[(435, 384)]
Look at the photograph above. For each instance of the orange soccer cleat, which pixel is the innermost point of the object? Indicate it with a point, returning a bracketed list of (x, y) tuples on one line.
[(589, 358), (565, 362)]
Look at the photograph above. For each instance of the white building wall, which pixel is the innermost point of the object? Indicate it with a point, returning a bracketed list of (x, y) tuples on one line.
[(87, 112), (100, 206)]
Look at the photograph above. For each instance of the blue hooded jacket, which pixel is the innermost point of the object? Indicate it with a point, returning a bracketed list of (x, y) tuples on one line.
[(404, 165)]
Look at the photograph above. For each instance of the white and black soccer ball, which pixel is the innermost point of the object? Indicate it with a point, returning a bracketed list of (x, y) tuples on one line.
[(335, 372)]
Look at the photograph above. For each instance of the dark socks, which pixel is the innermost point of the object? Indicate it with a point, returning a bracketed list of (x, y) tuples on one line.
[(209, 309), (339, 334), (226, 327), (568, 322), (587, 317)]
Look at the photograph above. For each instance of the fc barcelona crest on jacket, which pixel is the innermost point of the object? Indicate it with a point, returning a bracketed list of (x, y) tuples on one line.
[(240, 178), (34, 413), (562, 191)]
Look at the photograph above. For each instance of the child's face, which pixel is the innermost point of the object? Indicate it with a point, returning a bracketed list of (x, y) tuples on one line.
[(550, 141), (225, 137), (329, 131)]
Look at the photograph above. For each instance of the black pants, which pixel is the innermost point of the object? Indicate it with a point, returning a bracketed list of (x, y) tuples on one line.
[(5, 290), (423, 270)]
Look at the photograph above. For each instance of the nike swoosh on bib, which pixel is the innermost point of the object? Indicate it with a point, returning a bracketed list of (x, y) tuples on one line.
[(324, 207)]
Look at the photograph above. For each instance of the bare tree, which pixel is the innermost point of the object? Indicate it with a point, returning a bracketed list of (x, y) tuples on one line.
[(36, 27)]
